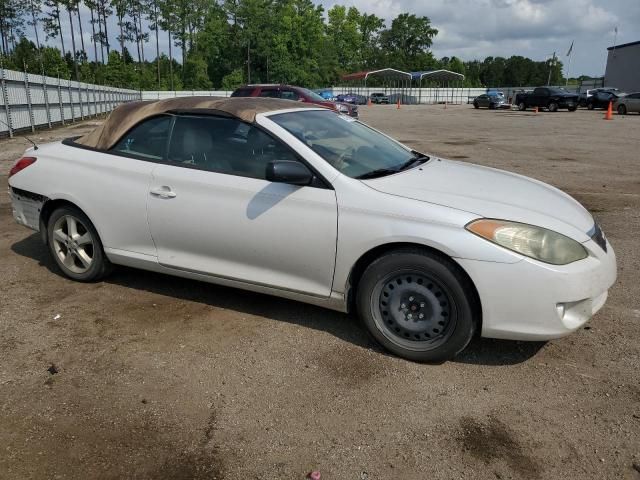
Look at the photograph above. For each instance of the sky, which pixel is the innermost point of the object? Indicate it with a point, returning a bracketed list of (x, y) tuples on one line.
[(475, 29)]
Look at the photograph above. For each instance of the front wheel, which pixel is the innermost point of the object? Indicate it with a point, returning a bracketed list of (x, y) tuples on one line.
[(417, 305), (75, 246), (590, 106), (553, 107), (622, 109), (522, 106), (475, 105)]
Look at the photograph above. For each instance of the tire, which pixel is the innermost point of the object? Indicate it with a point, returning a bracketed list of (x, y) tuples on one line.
[(622, 109), (475, 105), (553, 107), (590, 106), (573, 109), (75, 245), (417, 304), (522, 106), (492, 106)]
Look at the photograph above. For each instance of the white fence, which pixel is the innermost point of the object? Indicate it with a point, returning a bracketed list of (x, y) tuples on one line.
[(161, 95), (29, 101), (406, 95)]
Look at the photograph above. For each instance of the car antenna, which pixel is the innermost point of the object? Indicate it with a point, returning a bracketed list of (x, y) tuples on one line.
[(35, 145)]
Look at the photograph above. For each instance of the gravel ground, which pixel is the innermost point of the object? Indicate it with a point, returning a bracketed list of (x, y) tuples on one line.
[(152, 377)]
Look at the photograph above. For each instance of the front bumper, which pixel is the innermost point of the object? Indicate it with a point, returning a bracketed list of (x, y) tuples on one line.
[(531, 300)]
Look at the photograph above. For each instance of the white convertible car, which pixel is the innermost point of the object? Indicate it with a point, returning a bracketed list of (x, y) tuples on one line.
[(297, 201)]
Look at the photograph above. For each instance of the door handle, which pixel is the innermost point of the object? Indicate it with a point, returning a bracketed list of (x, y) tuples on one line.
[(163, 192)]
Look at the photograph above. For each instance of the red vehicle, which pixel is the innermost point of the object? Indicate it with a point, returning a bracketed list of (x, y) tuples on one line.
[(290, 92)]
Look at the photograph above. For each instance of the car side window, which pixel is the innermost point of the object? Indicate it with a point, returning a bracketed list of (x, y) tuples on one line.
[(242, 92), (270, 93), (289, 95), (147, 139), (224, 145)]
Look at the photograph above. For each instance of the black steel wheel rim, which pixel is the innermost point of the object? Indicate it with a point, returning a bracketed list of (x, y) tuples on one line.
[(414, 310)]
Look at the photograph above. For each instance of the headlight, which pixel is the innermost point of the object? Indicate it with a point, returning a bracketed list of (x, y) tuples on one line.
[(535, 242)]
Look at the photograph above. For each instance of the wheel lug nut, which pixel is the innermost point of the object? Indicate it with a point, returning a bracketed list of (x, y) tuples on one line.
[(402, 305), (422, 304), (421, 316), (411, 299), (409, 316)]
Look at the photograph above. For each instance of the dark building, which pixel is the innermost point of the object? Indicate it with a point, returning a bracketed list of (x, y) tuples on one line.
[(623, 67)]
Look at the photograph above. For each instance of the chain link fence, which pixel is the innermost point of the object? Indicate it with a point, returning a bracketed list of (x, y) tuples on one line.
[(29, 101)]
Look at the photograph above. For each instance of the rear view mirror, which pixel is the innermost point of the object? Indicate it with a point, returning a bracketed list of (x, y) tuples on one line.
[(288, 171)]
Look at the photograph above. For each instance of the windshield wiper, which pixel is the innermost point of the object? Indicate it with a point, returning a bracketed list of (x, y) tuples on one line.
[(417, 159), (381, 172)]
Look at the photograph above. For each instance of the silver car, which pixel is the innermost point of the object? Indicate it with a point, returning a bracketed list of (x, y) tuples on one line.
[(627, 104), (490, 100)]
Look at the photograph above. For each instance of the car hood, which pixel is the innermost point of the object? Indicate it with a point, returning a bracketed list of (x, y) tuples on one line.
[(490, 193)]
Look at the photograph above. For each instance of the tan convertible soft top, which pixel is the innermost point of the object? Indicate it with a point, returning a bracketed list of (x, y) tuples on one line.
[(129, 114)]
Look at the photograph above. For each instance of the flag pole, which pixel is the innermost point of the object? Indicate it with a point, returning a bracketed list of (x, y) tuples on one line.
[(570, 55)]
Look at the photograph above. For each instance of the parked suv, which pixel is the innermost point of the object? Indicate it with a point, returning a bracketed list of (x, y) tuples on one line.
[(379, 97), (291, 92)]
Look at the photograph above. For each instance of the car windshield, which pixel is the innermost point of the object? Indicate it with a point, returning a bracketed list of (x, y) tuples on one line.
[(348, 145), (556, 91), (312, 95)]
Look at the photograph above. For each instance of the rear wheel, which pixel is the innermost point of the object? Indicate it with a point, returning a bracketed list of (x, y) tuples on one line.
[(622, 109), (75, 246), (417, 305), (590, 106), (522, 106), (553, 107)]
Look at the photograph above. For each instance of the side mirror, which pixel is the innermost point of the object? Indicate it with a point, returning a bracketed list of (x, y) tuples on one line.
[(289, 171)]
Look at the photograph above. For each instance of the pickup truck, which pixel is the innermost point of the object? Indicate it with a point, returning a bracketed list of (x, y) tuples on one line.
[(547, 97)]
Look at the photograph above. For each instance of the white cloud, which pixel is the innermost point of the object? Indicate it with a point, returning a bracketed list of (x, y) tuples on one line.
[(475, 29)]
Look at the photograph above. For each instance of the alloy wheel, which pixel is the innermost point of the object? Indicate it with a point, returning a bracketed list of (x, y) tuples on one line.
[(73, 244)]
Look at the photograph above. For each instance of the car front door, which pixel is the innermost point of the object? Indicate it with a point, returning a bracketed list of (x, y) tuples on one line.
[(633, 102), (540, 97), (212, 211)]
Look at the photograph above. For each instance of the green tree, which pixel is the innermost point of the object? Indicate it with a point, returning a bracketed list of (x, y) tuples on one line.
[(407, 42), (195, 73), (233, 80)]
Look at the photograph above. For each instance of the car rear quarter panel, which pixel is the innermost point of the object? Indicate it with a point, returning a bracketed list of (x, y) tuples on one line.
[(110, 189)]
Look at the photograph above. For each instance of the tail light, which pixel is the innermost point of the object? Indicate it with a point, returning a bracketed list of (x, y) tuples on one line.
[(21, 164)]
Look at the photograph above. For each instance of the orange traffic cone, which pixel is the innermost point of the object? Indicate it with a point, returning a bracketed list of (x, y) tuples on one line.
[(369, 102), (398, 107), (609, 114)]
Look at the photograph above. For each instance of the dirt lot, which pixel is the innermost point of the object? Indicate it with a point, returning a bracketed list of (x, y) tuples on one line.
[(162, 378)]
